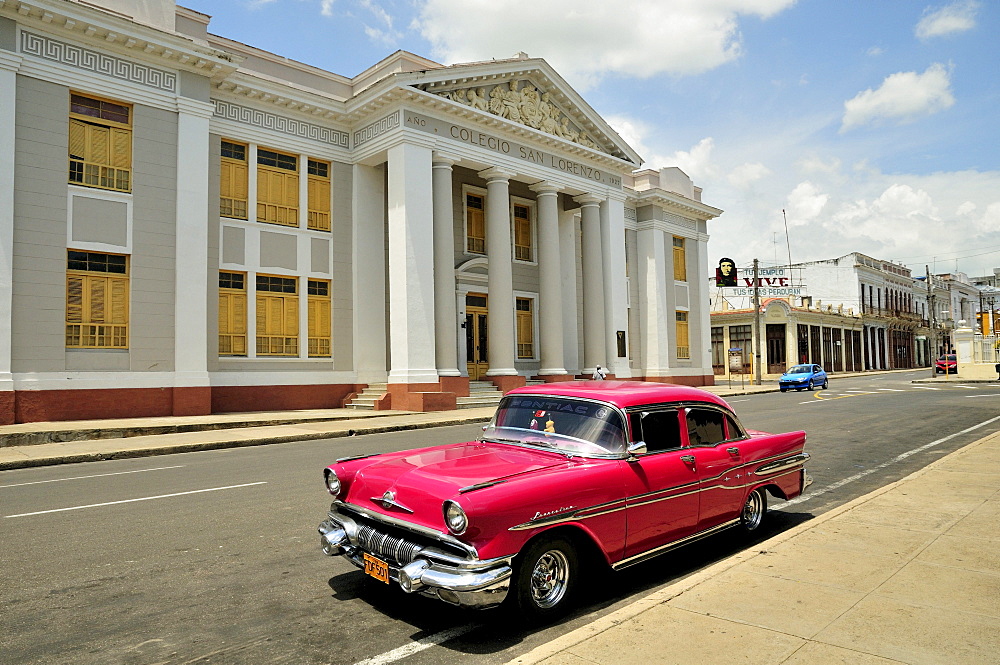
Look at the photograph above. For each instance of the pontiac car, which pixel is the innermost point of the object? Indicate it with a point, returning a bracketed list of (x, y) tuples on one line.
[(566, 475)]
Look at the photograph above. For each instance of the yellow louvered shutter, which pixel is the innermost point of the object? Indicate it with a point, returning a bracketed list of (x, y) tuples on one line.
[(77, 139), (97, 304), (319, 204), (121, 141), (74, 299)]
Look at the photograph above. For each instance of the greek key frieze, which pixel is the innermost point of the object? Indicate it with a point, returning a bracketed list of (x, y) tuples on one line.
[(267, 120), (97, 62), (376, 129)]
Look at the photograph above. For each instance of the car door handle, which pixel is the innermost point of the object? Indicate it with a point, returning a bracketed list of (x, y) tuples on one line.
[(733, 451), (687, 459)]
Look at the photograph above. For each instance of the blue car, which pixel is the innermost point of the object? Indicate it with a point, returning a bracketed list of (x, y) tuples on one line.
[(804, 376)]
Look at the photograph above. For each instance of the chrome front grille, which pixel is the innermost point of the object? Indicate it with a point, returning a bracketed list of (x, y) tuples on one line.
[(386, 546)]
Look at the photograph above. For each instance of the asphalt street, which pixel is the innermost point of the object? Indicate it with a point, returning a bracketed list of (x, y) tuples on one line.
[(212, 557)]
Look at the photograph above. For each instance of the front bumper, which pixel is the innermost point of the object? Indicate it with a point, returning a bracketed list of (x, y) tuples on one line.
[(418, 567)]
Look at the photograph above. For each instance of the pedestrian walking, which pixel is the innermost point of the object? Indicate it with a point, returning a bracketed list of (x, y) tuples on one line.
[(599, 374)]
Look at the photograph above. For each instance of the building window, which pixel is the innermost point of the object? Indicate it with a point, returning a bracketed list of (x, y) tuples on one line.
[(319, 195), (680, 262), (683, 343), (277, 188), (277, 316), (232, 314), (523, 250), (475, 224), (100, 143), (96, 300), (525, 329), (718, 351), (233, 180), (319, 318), (741, 337)]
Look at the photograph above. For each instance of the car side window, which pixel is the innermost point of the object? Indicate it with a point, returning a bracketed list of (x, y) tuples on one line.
[(660, 430), (733, 430), (705, 427)]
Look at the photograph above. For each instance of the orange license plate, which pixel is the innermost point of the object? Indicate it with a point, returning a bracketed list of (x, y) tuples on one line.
[(376, 567)]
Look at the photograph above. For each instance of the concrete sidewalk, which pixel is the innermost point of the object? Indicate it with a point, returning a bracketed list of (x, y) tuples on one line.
[(907, 574)]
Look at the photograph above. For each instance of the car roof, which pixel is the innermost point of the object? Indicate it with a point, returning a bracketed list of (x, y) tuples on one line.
[(623, 394)]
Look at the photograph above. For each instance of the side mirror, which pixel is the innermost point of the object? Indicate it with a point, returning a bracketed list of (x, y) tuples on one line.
[(636, 448)]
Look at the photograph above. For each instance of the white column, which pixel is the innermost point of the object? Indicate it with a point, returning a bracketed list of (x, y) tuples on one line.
[(655, 315), (567, 264), (191, 242), (9, 64), (550, 297), (594, 324), (368, 274), (502, 347), (411, 274), (445, 312), (615, 283), (700, 316)]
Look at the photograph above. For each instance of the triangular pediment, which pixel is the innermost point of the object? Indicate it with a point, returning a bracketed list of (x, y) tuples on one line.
[(530, 93)]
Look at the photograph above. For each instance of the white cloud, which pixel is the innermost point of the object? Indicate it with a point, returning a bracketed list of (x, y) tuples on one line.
[(805, 203), (902, 97), (697, 162), (326, 7), (956, 17), (585, 41), (746, 174)]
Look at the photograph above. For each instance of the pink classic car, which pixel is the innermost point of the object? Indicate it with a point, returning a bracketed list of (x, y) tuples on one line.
[(605, 473)]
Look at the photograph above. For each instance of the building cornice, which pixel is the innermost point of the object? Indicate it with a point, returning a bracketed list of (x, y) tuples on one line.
[(107, 31), (674, 203)]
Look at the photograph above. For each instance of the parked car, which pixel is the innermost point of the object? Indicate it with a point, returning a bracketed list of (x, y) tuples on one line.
[(566, 475), (804, 376), (946, 364)]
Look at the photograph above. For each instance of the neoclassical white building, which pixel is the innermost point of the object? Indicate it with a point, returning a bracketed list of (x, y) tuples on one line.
[(193, 225)]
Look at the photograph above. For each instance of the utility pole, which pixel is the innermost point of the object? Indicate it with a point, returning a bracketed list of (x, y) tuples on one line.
[(933, 322), (756, 323)]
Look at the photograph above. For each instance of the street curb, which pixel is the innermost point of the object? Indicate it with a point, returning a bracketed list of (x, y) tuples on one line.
[(152, 451), (665, 594)]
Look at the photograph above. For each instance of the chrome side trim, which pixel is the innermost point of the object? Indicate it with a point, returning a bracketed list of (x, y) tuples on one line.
[(351, 458), (782, 464), (662, 549)]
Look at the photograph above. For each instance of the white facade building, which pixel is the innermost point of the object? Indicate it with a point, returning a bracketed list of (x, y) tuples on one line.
[(193, 225)]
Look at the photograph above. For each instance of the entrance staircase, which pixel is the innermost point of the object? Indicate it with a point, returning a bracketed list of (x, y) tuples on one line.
[(481, 393), (365, 400)]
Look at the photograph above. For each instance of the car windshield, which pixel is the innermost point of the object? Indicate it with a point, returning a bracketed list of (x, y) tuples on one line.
[(949, 357), (800, 369), (570, 426)]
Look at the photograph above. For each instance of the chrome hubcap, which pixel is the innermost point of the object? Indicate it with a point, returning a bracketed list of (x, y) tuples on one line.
[(548, 578), (753, 511)]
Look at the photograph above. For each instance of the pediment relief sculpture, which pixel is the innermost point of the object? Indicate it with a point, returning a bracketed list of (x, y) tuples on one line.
[(524, 105)]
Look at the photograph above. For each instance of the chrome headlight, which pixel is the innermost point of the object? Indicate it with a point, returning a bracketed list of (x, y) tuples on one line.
[(332, 482), (455, 518)]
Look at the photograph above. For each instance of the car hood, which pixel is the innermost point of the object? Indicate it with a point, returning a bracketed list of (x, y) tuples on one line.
[(419, 481), (797, 375)]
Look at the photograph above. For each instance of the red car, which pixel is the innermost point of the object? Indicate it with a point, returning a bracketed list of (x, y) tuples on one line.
[(946, 364), (567, 474)]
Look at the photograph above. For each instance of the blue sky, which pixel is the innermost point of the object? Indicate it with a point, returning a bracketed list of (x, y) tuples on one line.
[(875, 124)]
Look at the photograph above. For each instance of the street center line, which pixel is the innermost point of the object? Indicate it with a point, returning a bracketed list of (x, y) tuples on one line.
[(927, 387), (145, 498), (894, 460), (96, 475), (416, 647), (893, 390)]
